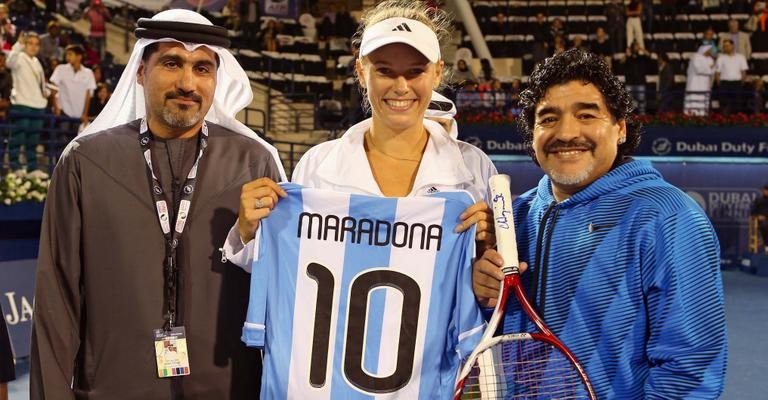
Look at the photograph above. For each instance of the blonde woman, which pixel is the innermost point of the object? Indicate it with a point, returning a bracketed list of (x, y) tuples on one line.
[(395, 153)]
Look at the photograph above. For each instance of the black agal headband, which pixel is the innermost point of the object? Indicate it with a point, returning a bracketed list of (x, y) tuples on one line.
[(182, 31)]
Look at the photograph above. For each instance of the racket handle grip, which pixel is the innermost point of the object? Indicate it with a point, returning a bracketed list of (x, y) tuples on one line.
[(504, 224)]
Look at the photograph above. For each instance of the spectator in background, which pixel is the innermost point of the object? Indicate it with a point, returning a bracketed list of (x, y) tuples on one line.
[(634, 13), (326, 29), (757, 100), (601, 46), (99, 100), (231, 14), (665, 84), (516, 87), (345, 25), (468, 98), (730, 75), (463, 73), (98, 74), (249, 12), (499, 26), (7, 29), (29, 96), (698, 82), (49, 65), (487, 74), (615, 24), (557, 28), (709, 39), (740, 39), (541, 38), (98, 15), (578, 43), (558, 45), (7, 367), (636, 63), (760, 211), (757, 10), (91, 56), (497, 96), (75, 84), (268, 36), (6, 84), (50, 45)]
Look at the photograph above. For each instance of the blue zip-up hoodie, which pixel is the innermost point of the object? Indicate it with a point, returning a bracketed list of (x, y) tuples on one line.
[(628, 273)]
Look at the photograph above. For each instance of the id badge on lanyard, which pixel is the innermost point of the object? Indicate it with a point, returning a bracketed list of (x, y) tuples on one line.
[(170, 341)]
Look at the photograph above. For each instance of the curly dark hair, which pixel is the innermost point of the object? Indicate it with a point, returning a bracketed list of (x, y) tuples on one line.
[(578, 65)]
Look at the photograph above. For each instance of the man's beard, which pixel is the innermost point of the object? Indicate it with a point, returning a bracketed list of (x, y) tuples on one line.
[(572, 179), (578, 177), (181, 118)]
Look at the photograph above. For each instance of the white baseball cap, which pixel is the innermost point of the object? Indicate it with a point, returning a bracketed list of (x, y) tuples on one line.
[(401, 30)]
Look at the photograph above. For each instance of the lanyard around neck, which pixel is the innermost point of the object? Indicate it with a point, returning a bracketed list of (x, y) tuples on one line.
[(172, 237)]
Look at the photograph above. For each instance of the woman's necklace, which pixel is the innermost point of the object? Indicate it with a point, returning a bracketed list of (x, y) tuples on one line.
[(373, 145)]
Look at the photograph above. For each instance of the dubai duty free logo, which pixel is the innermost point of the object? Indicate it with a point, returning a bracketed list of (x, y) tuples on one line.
[(661, 146)]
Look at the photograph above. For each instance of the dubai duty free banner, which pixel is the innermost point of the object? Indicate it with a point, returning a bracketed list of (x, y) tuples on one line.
[(656, 141)]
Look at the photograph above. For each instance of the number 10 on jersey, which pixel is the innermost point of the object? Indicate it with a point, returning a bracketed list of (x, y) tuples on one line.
[(355, 327)]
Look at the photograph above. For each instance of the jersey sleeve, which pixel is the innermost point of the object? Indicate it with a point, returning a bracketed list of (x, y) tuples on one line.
[(468, 319), (255, 320), (687, 339)]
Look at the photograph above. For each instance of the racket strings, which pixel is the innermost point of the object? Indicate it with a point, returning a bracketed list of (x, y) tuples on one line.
[(523, 369)]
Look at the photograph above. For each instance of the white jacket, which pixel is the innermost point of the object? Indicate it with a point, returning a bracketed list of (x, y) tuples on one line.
[(341, 165), (28, 79)]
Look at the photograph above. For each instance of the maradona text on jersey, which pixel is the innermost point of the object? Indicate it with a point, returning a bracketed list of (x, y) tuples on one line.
[(367, 231)]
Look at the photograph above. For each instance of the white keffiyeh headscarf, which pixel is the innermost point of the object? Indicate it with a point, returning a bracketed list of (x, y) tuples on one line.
[(442, 107)]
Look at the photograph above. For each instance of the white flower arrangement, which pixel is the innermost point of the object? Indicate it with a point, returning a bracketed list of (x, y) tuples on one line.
[(21, 185)]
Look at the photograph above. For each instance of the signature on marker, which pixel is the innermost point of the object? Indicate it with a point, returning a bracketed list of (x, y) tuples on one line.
[(503, 220)]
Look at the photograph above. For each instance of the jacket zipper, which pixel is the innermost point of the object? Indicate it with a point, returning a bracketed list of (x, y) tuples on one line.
[(543, 244)]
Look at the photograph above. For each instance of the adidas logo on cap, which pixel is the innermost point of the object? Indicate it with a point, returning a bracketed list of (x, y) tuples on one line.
[(402, 27)]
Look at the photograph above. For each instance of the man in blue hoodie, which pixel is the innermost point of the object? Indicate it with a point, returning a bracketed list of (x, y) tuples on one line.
[(623, 266)]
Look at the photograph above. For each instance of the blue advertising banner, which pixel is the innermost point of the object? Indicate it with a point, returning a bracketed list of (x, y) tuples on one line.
[(725, 191), (656, 141), (17, 290), (20, 230)]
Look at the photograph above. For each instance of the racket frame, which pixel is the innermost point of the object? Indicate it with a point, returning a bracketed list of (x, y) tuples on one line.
[(507, 247)]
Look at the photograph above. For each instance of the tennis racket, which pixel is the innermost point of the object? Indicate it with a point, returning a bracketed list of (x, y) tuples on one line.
[(529, 365)]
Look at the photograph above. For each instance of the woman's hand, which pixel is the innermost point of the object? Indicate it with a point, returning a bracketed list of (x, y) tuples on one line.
[(257, 199)]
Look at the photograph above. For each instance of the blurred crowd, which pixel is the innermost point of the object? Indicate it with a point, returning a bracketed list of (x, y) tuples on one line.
[(52, 78)]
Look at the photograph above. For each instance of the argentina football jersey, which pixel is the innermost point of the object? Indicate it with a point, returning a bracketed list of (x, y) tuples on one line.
[(362, 297)]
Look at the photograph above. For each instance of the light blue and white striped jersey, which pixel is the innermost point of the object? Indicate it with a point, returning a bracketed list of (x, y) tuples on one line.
[(362, 297)]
